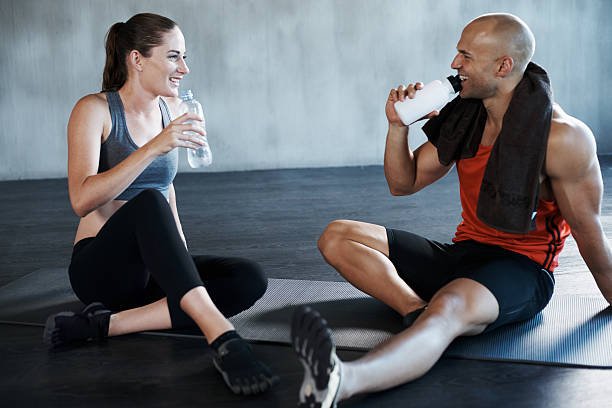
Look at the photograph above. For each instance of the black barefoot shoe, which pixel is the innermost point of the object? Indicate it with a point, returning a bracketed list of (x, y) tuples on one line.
[(312, 341), (68, 328), (241, 370), (410, 318)]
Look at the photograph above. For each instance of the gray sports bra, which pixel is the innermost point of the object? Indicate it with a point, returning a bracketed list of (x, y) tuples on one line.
[(119, 145)]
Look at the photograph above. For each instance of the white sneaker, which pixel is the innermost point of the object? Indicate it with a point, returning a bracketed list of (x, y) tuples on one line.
[(313, 343)]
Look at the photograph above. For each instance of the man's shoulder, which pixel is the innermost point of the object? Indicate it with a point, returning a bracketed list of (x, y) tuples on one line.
[(571, 143), (568, 132)]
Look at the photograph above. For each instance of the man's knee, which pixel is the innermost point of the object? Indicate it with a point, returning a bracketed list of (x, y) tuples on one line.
[(446, 308), (333, 234), (464, 308)]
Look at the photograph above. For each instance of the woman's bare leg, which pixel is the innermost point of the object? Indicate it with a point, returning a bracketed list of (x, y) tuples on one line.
[(156, 316)]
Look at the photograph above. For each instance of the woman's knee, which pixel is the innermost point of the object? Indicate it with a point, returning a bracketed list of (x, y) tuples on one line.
[(149, 205), (250, 279), (257, 278)]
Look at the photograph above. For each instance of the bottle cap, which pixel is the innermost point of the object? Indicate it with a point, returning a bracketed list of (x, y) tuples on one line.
[(455, 82)]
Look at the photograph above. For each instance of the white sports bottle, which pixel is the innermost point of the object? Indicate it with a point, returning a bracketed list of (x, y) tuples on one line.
[(432, 97), (201, 156)]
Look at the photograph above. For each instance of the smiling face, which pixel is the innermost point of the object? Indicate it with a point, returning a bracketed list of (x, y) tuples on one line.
[(477, 61), (492, 54), (163, 70)]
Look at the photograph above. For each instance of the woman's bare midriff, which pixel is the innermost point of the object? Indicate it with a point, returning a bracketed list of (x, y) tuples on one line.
[(90, 225)]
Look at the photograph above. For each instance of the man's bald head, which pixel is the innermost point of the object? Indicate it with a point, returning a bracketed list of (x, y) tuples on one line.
[(509, 35)]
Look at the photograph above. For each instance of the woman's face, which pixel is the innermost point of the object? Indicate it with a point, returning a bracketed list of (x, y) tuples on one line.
[(164, 69)]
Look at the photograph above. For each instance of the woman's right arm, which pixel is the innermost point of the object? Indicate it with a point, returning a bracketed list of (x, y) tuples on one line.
[(89, 190)]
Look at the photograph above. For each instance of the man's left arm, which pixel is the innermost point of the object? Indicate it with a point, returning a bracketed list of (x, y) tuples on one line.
[(575, 176)]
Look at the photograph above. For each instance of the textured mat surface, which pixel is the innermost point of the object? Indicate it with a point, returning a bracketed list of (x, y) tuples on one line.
[(31, 298), (571, 331)]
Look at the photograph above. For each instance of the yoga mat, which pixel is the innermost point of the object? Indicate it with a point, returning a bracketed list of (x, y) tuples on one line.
[(573, 331)]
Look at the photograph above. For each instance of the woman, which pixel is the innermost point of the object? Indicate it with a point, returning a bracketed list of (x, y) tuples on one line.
[(130, 253)]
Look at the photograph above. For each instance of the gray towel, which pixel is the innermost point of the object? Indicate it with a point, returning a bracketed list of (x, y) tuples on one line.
[(510, 186)]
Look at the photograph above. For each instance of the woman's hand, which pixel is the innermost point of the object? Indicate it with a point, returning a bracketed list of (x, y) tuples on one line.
[(179, 133)]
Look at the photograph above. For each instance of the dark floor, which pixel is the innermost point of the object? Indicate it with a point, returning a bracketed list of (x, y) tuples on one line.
[(273, 217)]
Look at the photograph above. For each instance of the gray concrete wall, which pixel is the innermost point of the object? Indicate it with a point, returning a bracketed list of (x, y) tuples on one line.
[(284, 83)]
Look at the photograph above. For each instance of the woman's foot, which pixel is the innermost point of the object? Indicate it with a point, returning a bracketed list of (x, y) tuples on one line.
[(241, 370), (314, 346), (67, 328)]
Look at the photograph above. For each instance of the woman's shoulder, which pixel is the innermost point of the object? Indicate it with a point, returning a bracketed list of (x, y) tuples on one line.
[(92, 106), (174, 104), (93, 102)]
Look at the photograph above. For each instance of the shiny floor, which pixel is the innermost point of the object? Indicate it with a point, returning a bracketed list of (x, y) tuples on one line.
[(273, 217)]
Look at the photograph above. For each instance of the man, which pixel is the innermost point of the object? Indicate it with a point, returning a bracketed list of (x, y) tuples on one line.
[(516, 217)]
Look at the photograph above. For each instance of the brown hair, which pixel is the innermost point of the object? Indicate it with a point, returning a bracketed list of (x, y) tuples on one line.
[(141, 32)]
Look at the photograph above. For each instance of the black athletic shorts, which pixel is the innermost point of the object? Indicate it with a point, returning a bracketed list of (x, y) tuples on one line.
[(521, 286)]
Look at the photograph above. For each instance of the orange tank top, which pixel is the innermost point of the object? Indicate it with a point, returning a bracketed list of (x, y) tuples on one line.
[(542, 245)]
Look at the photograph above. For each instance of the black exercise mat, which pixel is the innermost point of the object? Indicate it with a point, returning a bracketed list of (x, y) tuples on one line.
[(33, 297), (571, 331)]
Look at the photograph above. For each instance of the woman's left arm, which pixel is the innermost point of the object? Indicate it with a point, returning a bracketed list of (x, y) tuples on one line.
[(172, 202)]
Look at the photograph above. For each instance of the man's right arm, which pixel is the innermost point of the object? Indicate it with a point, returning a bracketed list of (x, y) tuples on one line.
[(408, 171)]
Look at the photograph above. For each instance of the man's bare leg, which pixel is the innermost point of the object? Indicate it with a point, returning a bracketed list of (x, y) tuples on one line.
[(463, 307), (360, 253)]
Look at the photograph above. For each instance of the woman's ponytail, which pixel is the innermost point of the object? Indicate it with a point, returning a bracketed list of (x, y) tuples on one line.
[(115, 68)]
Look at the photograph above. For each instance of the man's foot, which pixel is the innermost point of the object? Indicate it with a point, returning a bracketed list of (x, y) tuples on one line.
[(312, 341), (412, 316), (67, 328), (241, 370)]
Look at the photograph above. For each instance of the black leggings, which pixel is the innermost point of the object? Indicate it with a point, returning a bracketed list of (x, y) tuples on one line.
[(138, 257)]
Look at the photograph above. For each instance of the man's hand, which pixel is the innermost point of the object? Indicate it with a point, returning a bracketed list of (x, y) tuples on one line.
[(400, 94)]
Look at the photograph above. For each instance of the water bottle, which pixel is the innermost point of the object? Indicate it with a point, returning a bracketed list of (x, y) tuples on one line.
[(202, 156), (431, 97)]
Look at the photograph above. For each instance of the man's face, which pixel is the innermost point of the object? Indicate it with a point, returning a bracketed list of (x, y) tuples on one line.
[(476, 61)]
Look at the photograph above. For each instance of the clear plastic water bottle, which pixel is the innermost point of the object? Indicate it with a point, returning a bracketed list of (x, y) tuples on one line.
[(431, 97), (202, 156)]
